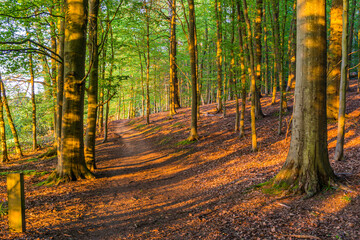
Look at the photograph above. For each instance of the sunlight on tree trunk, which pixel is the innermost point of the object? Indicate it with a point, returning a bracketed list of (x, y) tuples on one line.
[(339, 151), (192, 47), (10, 119), (253, 78), (72, 165), (334, 58), (307, 168), (92, 90), (4, 155)]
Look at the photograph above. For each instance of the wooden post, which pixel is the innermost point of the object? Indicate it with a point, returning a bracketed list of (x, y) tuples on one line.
[(16, 201)]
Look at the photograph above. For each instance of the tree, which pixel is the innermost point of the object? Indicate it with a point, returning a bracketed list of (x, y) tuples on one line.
[(192, 51), (92, 90), (307, 168), (10, 119), (334, 58), (218, 15), (71, 165), (253, 77), (174, 98), (339, 151), (4, 156)]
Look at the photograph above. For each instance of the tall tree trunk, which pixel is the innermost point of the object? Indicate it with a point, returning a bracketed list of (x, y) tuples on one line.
[(90, 136), (334, 58), (218, 15), (278, 62), (53, 68), (232, 68), (292, 55), (339, 151), (192, 51), (243, 47), (60, 85), (72, 165), (4, 155), (307, 168), (173, 67), (148, 64), (257, 57), (253, 78), (10, 120), (350, 36), (109, 86), (33, 104)]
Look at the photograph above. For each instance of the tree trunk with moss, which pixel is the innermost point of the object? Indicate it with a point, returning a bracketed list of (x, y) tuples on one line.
[(307, 168), (72, 165), (334, 58), (93, 85)]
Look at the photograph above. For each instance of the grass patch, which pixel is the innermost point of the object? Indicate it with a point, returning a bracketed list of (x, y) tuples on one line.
[(32, 160), (26, 172), (178, 125), (276, 189), (184, 143), (347, 198)]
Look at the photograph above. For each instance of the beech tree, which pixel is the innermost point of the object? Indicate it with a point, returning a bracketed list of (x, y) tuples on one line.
[(334, 58), (71, 164), (339, 151), (307, 168)]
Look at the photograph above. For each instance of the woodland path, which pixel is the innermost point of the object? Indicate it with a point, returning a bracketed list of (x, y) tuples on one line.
[(138, 189)]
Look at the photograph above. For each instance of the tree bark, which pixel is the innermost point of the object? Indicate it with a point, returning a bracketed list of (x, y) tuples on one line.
[(173, 67), (258, 55), (4, 155), (109, 86), (148, 63), (72, 165), (334, 58), (33, 103), (218, 15), (90, 135), (60, 85), (10, 120), (339, 150), (192, 51), (253, 78), (307, 168)]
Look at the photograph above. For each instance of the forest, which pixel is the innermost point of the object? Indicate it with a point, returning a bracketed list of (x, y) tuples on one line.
[(173, 119)]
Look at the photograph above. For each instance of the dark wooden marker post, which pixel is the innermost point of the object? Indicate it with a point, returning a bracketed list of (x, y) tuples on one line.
[(16, 202)]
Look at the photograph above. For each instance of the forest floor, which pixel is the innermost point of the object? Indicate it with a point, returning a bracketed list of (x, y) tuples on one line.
[(153, 184)]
